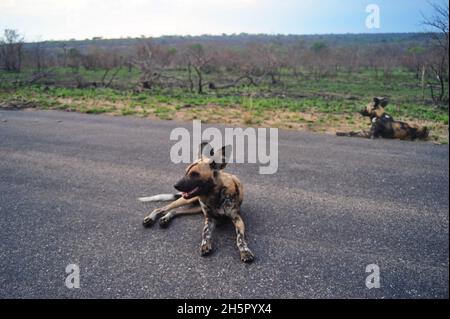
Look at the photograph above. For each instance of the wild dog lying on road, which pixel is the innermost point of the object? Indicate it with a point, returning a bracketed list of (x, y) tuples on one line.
[(383, 125), (206, 188)]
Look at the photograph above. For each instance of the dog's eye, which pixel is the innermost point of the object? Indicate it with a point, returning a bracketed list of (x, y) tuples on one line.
[(194, 174)]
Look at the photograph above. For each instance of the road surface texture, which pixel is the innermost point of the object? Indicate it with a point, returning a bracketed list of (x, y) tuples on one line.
[(68, 189)]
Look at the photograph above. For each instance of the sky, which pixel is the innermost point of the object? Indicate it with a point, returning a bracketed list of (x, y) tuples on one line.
[(41, 20)]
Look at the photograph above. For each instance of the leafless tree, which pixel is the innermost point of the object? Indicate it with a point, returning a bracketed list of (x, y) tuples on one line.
[(294, 58), (11, 50), (232, 68), (94, 58), (198, 59), (112, 64), (438, 25), (414, 60), (38, 56), (147, 60), (269, 60), (74, 58), (64, 48)]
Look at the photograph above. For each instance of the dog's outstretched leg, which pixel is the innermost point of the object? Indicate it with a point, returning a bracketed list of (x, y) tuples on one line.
[(206, 246), (154, 215), (245, 252), (165, 220)]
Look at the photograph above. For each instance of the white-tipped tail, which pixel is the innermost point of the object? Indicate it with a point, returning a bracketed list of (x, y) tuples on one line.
[(160, 198)]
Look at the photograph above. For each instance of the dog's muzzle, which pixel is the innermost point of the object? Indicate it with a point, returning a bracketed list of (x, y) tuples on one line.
[(186, 188)]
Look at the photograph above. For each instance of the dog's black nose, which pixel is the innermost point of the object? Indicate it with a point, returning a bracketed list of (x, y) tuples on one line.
[(177, 187)]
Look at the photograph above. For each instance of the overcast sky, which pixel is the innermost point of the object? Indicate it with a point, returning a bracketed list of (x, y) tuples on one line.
[(81, 19)]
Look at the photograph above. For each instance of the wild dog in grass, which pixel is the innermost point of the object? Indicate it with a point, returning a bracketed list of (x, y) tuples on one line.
[(206, 188), (383, 125)]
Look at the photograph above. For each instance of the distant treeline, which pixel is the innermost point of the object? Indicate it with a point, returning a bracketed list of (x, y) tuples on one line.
[(200, 63), (243, 39)]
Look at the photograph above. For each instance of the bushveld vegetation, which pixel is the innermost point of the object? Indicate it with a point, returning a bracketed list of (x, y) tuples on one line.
[(314, 83)]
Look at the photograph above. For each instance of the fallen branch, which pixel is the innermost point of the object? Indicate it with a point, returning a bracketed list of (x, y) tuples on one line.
[(38, 76), (235, 83)]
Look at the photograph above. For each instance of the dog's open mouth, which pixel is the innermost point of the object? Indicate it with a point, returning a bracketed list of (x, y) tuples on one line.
[(190, 194)]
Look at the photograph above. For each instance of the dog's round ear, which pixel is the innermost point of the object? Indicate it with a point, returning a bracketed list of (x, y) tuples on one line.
[(205, 150), (384, 102), (221, 158), (381, 101)]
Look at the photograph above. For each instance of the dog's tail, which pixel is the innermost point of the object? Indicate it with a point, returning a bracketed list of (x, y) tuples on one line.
[(160, 198), (343, 134), (363, 134)]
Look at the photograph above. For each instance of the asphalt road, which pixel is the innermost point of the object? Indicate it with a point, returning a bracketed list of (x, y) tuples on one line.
[(68, 189)]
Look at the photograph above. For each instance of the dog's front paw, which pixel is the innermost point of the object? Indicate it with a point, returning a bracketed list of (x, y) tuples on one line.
[(164, 221), (206, 248), (247, 256), (148, 221), (151, 219)]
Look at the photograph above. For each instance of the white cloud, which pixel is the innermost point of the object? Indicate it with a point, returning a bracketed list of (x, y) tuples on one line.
[(114, 18)]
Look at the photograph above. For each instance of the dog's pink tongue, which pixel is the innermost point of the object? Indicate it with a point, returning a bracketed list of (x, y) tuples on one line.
[(184, 194)]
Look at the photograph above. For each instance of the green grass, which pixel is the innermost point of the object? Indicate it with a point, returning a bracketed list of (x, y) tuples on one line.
[(98, 110), (400, 106), (341, 94), (128, 111), (163, 113)]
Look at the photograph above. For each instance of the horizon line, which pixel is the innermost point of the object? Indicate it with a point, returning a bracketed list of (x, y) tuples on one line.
[(101, 38)]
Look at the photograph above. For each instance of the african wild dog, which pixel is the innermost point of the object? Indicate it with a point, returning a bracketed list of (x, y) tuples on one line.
[(383, 125), (206, 188)]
